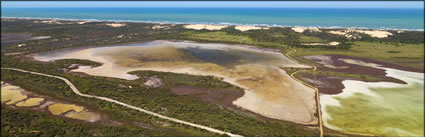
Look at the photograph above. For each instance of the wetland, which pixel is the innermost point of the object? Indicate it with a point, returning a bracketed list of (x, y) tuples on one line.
[(269, 90)]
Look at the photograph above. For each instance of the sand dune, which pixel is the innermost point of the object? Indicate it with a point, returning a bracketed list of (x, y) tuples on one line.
[(246, 28), (372, 33), (302, 29), (205, 26), (115, 25)]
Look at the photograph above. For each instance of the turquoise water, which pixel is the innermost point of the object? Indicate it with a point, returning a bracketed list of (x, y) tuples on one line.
[(411, 19)]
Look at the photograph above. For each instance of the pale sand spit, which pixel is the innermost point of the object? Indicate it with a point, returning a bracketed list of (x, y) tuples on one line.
[(334, 43), (246, 28), (302, 29), (375, 33), (325, 61), (372, 33), (161, 27), (83, 22), (205, 26), (361, 63), (343, 33), (115, 25)]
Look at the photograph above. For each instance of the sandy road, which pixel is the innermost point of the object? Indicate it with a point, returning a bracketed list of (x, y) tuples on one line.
[(76, 91), (319, 110)]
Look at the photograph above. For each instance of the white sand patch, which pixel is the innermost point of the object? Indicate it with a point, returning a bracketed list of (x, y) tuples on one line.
[(359, 62), (166, 27), (246, 28), (83, 22), (338, 32), (302, 29), (153, 82), (205, 26), (13, 53), (21, 45), (298, 29), (334, 43), (50, 22), (372, 33), (314, 29), (40, 37), (325, 61), (115, 25), (375, 33), (343, 33), (53, 21)]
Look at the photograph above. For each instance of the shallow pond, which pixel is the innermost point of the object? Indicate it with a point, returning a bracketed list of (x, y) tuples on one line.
[(378, 108)]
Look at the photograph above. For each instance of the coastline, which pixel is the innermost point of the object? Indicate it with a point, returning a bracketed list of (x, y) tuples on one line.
[(207, 23)]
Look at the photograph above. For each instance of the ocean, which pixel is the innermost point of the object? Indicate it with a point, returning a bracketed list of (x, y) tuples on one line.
[(403, 19)]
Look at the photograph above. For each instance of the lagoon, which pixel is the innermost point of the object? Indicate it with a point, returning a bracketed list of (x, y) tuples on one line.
[(269, 90)]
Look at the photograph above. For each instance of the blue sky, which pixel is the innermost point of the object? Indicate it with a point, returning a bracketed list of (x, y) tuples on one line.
[(240, 4)]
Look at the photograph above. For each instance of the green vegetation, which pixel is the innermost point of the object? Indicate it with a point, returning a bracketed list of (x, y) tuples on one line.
[(411, 55), (310, 39), (225, 37), (218, 36), (174, 79), (26, 123)]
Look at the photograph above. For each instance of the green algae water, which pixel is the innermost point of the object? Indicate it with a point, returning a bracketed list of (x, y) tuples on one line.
[(378, 108)]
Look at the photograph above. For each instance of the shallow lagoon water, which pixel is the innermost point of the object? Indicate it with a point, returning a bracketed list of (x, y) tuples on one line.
[(269, 91), (378, 108)]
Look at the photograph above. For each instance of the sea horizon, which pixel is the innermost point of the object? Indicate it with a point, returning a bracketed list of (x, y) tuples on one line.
[(361, 18)]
